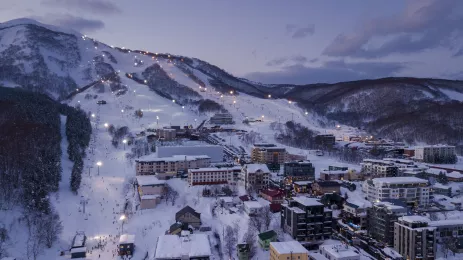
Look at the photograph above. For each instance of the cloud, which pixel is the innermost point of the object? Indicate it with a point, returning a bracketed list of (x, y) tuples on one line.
[(422, 25), (458, 53), (314, 60), (297, 32), (297, 59), (79, 24), (329, 72), (93, 6)]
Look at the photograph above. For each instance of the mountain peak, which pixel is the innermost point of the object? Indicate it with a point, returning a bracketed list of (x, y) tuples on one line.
[(30, 21)]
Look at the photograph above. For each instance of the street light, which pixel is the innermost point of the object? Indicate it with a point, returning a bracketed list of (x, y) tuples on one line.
[(231, 92), (93, 115), (124, 142), (122, 218), (173, 100), (157, 120), (106, 125), (269, 96), (122, 110), (99, 163), (289, 101), (306, 113)]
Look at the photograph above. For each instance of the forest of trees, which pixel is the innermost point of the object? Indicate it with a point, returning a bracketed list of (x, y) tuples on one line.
[(30, 157)]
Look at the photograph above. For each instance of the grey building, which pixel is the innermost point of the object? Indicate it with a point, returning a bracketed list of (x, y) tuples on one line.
[(381, 218), (414, 238), (299, 171), (306, 220), (222, 119)]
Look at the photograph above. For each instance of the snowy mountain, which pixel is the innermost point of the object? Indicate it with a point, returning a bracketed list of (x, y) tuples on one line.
[(62, 63)]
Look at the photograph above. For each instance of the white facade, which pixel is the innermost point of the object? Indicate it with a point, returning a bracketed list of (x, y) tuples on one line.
[(338, 252), (409, 189), (252, 207), (213, 175), (380, 168), (427, 153), (154, 165)]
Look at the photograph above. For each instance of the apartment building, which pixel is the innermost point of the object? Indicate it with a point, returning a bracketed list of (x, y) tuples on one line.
[(339, 174), (221, 119), (306, 220), (256, 176), (268, 154), (379, 168), (381, 219), (414, 238), (166, 134), (339, 252), (150, 190), (290, 250), (354, 214), (434, 153), (447, 228), (299, 171), (154, 165), (414, 191), (213, 175)]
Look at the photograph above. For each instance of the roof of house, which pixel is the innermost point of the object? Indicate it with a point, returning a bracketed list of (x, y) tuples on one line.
[(175, 247), (244, 198), (447, 222), (302, 183), (253, 204), (340, 250), (254, 167), (272, 192), (414, 218), (148, 180), (79, 240), (288, 247), (189, 210), (328, 183), (267, 235), (176, 226), (398, 180), (306, 201), (127, 239), (274, 207), (227, 199)]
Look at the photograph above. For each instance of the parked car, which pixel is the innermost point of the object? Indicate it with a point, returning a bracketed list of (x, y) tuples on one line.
[(101, 102)]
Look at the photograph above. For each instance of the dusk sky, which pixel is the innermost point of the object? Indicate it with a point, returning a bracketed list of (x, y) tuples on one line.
[(274, 41)]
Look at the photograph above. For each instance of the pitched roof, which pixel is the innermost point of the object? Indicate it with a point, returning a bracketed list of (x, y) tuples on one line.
[(267, 235), (187, 209), (273, 192)]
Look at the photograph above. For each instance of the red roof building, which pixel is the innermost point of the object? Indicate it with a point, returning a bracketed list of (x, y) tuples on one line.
[(273, 195)]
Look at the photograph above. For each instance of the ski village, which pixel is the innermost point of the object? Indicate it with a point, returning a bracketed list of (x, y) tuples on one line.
[(165, 176)]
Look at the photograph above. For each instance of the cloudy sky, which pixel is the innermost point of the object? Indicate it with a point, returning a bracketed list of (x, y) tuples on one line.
[(274, 41)]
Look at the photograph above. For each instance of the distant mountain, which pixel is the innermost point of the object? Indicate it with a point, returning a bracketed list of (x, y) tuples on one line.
[(60, 62)]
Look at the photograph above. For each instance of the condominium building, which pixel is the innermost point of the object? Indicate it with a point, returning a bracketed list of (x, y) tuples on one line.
[(381, 219), (306, 220), (256, 176), (154, 165), (290, 250), (379, 168), (339, 174), (354, 214), (414, 191), (299, 171), (339, 252), (268, 154), (447, 228), (434, 153), (193, 148), (213, 175), (414, 238)]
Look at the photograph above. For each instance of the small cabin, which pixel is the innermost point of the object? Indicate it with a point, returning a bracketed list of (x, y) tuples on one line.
[(78, 249), (126, 244)]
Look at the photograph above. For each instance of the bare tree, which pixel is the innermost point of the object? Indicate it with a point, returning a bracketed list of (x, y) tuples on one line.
[(51, 227), (446, 214), (174, 196), (168, 194), (433, 216), (250, 239), (4, 242), (449, 243), (267, 216), (230, 241), (256, 223)]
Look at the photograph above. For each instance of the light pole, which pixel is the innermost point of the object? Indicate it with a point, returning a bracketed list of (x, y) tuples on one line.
[(106, 125), (124, 142), (122, 218), (195, 122), (269, 96), (157, 120), (99, 163)]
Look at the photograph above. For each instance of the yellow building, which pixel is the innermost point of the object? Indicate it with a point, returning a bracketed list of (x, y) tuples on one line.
[(290, 250)]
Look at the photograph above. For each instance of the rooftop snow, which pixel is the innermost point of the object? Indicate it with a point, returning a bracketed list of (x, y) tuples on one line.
[(149, 197), (414, 218), (447, 222), (288, 247), (399, 180), (127, 239), (389, 205), (303, 182), (255, 167), (339, 251), (227, 199), (253, 204), (146, 180), (174, 158), (306, 201), (214, 169), (333, 172), (297, 210), (175, 247), (79, 240)]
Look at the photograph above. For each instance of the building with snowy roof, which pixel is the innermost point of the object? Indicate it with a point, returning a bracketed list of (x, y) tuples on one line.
[(214, 175), (192, 246), (268, 154), (447, 228), (306, 220), (339, 252), (414, 238), (299, 171), (215, 152), (435, 153), (126, 244), (150, 165), (381, 219), (252, 207), (256, 176), (379, 168), (412, 190), (355, 214), (150, 189), (288, 250)]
